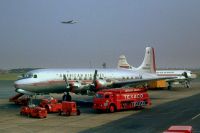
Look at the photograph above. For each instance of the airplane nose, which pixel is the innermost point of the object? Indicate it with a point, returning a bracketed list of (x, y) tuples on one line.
[(16, 84)]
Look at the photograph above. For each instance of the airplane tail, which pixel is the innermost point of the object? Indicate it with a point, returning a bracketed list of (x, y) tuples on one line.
[(148, 64), (122, 63)]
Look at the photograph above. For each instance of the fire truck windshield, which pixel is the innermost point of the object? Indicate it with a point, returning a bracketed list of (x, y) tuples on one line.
[(99, 95)]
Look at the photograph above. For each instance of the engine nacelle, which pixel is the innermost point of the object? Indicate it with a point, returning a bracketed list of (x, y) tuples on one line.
[(75, 86), (100, 83)]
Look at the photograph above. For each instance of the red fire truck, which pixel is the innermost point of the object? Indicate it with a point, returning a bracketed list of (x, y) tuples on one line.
[(69, 108), (112, 100), (179, 129), (52, 105), (34, 111)]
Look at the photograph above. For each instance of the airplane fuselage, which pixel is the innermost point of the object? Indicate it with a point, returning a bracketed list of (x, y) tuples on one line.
[(179, 74), (51, 80)]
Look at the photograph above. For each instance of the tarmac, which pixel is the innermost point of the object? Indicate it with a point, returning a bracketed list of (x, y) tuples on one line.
[(179, 106)]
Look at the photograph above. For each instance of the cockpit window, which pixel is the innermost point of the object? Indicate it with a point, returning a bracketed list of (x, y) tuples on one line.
[(28, 75), (35, 76)]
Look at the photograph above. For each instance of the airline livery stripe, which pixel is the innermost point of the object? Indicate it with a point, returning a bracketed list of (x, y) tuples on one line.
[(169, 75), (154, 62), (124, 66), (56, 82)]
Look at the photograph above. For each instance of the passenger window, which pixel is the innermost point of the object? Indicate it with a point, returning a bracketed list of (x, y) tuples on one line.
[(106, 96), (35, 76)]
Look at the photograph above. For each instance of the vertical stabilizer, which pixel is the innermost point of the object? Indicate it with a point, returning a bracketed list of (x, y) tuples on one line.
[(148, 64), (122, 63)]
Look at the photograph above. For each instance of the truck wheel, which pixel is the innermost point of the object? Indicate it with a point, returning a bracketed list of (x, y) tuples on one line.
[(112, 109), (47, 108), (60, 112), (78, 112), (67, 113), (21, 113), (98, 111)]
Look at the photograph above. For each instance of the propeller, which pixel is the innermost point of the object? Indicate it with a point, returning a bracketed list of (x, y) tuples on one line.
[(95, 78), (185, 74), (187, 82), (67, 83), (94, 83)]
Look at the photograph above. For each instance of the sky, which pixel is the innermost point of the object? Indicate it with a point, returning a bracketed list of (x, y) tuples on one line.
[(32, 35)]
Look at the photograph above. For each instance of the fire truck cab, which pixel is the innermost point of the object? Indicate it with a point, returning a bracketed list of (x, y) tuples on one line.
[(112, 100)]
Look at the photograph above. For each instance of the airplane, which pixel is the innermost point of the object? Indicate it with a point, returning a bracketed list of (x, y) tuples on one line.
[(179, 76), (69, 22), (86, 80)]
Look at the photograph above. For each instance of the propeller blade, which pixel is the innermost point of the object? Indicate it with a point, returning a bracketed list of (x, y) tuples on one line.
[(95, 77), (93, 85), (185, 74), (65, 79)]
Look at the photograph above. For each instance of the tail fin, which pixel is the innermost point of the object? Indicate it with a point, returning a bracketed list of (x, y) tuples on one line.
[(148, 64), (122, 63)]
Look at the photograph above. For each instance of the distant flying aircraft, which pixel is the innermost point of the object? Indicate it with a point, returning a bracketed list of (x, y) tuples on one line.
[(69, 22), (179, 76), (86, 81)]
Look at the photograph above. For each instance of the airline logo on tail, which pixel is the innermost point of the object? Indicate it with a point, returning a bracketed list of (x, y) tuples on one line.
[(148, 64)]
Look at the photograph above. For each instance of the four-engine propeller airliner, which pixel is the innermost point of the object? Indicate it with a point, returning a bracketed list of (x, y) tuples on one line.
[(69, 22), (85, 81), (179, 76)]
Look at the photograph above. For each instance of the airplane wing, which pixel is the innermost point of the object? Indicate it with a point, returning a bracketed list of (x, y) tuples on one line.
[(183, 78), (137, 81), (66, 22), (178, 80), (69, 22)]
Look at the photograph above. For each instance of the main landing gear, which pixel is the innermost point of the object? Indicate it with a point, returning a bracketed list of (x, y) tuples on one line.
[(169, 86)]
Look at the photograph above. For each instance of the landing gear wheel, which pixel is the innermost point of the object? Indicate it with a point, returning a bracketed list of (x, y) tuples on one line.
[(187, 84), (169, 87)]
